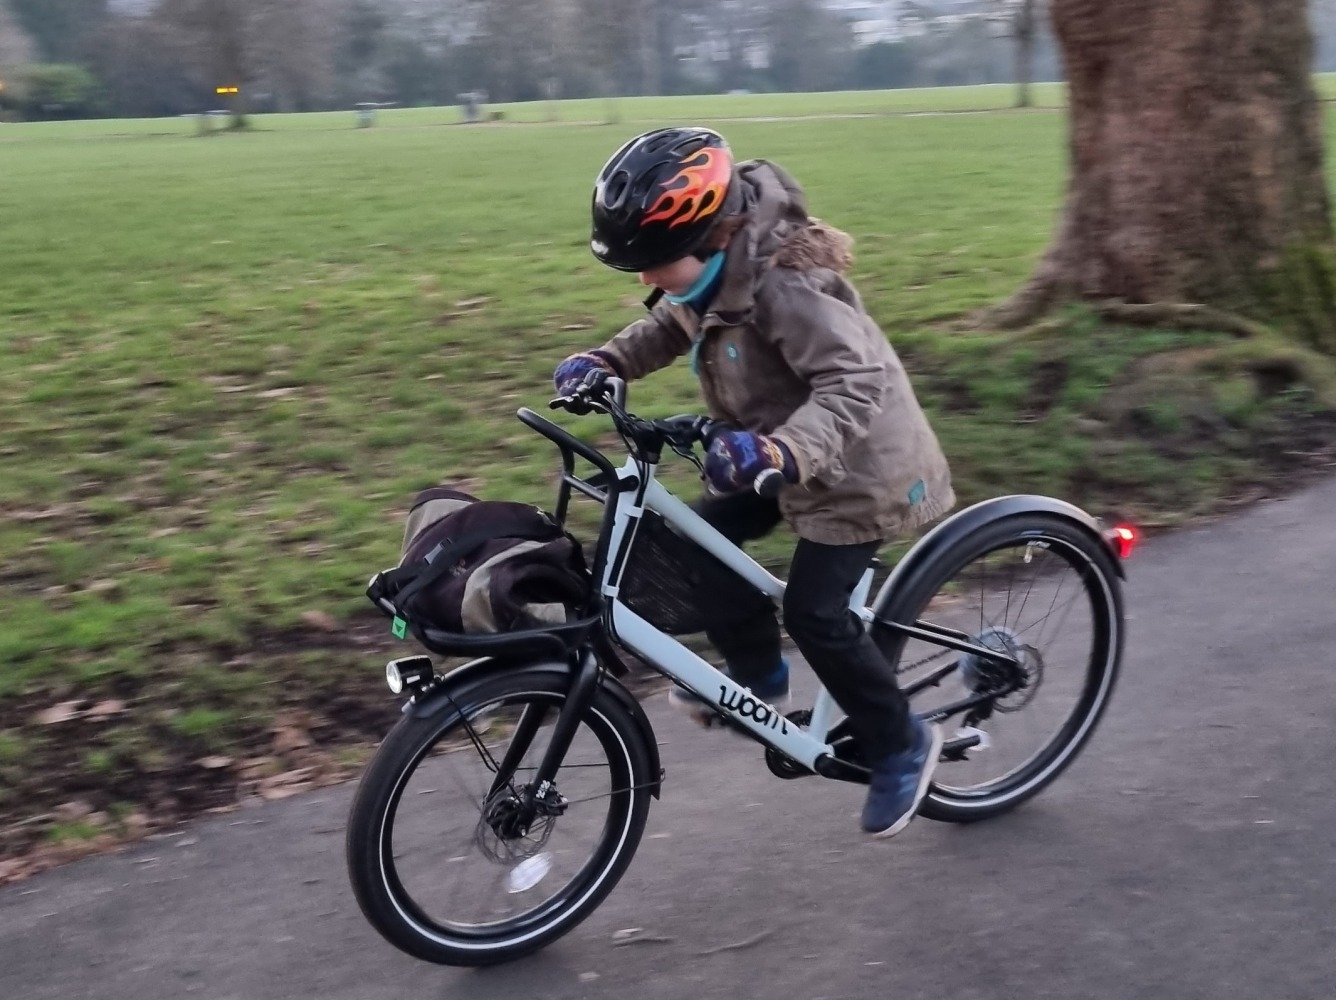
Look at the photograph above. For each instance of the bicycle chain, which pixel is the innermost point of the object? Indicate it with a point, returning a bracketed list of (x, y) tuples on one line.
[(906, 667)]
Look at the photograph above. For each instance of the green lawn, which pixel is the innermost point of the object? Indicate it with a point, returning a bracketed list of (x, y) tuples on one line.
[(230, 361)]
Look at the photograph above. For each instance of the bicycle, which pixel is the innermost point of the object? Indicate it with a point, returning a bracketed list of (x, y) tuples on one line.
[(540, 713)]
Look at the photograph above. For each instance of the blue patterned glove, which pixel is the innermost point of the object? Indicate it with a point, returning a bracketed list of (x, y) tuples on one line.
[(736, 458), (571, 372)]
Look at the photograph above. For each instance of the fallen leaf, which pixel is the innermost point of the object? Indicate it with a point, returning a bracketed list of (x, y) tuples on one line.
[(278, 393), (73, 810), (273, 793), (106, 709), (320, 619), (259, 767), (63, 712), (290, 738), (214, 763), (136, 823), (472, 303)]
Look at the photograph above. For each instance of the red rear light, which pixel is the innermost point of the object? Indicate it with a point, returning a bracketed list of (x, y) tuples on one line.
[(1124, 539)]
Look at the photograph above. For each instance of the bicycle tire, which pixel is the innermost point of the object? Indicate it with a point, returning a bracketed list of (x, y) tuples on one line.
[(1085, 552), (369, 844)]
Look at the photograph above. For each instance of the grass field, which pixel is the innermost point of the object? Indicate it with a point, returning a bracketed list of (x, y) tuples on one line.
[(230, 361)]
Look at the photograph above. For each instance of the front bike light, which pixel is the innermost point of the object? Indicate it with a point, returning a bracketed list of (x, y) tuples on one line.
[(408, 672)]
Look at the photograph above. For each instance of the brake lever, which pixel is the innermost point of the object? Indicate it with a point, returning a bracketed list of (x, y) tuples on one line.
[(571, 404)]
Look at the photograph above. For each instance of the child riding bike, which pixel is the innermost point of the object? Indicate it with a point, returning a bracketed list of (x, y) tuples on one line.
[(753, 289)]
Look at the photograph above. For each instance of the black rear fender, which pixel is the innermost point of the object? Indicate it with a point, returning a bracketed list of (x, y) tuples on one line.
[(948, 533)]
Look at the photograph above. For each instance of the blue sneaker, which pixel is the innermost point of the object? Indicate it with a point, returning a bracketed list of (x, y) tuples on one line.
[(774, 691), (900, 782)]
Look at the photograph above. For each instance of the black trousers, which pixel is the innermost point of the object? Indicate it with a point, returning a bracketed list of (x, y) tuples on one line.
[(830, 636)]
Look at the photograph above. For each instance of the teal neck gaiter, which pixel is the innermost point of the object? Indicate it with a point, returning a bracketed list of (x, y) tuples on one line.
[(704, 287)]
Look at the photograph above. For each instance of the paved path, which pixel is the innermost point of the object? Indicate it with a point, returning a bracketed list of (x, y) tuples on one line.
[(1188, 854)]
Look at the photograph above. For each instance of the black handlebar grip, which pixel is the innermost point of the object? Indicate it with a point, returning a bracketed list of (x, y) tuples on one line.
[(768, 483)]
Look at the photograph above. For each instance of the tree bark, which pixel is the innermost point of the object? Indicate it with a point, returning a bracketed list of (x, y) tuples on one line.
[(1196, 170)]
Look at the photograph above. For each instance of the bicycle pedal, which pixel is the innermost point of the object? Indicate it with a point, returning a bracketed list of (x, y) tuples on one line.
[(967, 738)]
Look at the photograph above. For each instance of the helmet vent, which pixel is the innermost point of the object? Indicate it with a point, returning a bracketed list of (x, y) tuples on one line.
[(614, 193)]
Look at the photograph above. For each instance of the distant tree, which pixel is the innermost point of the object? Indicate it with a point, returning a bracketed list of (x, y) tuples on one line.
[(218, 34), (60, 28), (515, 35), (146, 68), (56, 90), (884, 65), (739, 28), (810, 48), (16, 48), (957, 27), (1021, 19), (292, 45), (284, 46)]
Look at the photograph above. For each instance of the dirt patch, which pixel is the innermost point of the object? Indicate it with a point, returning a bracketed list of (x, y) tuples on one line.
[(57, 809)]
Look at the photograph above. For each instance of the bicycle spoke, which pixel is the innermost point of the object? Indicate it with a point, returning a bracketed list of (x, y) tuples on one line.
[(1029, 590)]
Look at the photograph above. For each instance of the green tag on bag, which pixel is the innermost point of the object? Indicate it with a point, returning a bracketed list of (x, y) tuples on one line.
[(399, 627)]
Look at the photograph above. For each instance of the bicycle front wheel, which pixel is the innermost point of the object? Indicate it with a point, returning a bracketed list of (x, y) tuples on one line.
[(444, 861), (1046, 593)]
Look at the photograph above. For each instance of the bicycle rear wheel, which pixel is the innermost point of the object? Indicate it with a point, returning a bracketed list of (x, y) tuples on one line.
[(441, 860), (1046, 593)]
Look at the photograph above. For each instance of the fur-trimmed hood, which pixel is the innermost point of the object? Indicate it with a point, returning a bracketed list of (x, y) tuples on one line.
[(782, 232)]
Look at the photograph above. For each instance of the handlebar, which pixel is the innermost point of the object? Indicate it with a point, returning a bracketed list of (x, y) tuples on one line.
[(601, 392)]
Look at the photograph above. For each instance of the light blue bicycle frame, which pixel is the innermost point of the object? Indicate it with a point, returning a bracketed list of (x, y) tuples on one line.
[(680, 663)]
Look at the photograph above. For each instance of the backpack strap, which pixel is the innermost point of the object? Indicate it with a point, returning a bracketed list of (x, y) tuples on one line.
[(409, 581)]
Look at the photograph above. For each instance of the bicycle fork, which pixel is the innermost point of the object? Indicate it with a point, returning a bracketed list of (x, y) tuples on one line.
[(537, 795)]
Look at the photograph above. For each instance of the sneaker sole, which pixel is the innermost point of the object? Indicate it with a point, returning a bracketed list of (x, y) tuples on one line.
[(934, 751)]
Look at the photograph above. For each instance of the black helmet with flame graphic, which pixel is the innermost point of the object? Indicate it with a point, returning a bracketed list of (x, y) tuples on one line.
[(657, 198)]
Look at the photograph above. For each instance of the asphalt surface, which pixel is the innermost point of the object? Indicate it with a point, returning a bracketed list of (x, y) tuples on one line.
[(1187, 853)]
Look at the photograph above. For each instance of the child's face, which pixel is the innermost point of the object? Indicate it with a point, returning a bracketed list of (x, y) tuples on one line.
[(675, 277)]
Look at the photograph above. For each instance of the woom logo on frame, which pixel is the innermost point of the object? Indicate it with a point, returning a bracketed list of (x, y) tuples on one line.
[(746, 707)]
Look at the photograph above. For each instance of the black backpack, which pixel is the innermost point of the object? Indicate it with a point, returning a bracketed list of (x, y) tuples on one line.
[(478, 566)]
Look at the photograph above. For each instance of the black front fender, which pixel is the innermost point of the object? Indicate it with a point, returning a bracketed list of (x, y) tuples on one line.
[(971, 519), (453, 687)]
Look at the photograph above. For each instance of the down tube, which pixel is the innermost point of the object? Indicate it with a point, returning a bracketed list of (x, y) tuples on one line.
[(695, 527), (764, 721)]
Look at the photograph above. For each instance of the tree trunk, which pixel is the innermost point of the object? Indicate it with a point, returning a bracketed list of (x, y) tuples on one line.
[(1195, 161), (1026, 23)]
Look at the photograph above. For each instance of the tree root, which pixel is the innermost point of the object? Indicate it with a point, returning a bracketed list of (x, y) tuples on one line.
[(1039, 296), (1029, 311), (1183, 316)]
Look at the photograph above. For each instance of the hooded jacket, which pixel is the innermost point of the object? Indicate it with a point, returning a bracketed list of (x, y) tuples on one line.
[(785, 348)]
